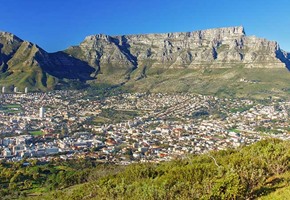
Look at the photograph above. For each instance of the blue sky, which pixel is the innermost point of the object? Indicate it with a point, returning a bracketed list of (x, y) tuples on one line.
[(57, 24)]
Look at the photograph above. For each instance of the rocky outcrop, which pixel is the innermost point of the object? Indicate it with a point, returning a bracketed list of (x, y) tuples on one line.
[(216, 48), (9, 43)]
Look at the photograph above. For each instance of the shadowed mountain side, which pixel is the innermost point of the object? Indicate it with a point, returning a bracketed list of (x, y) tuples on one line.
[(24, 64), (288, 60), (66, 66), (3, 58), (284, 57)]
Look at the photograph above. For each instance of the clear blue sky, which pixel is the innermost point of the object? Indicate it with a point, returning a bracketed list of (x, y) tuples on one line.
[(57, 24)]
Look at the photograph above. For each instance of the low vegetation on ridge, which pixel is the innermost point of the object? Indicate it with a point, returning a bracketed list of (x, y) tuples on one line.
[(251, 172)]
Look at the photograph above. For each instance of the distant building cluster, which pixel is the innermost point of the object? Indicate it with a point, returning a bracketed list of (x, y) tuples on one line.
[(15, 90)]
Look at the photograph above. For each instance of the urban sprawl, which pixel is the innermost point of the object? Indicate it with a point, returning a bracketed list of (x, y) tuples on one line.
[(132, 127)]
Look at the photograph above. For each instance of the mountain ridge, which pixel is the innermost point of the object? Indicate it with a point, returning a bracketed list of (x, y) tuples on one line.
[(26, 64), (120, 59), (213, 36)]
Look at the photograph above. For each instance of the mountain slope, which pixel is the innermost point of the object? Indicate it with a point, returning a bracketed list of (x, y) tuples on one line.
[(24, 64)]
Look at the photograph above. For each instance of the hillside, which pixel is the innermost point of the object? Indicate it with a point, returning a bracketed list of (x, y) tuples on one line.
[(23, 64), (222, 61), (257, 171)]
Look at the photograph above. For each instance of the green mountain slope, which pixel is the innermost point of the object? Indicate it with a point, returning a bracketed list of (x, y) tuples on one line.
[(238, 82), (24, 64)]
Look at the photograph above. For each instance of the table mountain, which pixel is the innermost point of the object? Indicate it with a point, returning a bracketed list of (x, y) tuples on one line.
[(214, 48), (139, 59)]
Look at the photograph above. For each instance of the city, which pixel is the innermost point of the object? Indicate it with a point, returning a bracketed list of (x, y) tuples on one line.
[(132, 127)]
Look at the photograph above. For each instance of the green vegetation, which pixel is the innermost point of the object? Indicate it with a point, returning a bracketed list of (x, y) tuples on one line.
[(234, 130), (11, 108), (35, 133), (224, 82), (31, 178), (259, 170), (23, 76), (114, 116), (104, 90), (268, 130), (280, 194), (241, 109)]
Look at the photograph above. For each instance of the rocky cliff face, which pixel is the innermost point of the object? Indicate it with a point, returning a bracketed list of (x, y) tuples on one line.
[(215, 48)]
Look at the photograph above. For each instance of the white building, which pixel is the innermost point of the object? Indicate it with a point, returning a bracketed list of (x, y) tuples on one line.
[(26, 90), (3, 89), (41, 112), (15, 89)]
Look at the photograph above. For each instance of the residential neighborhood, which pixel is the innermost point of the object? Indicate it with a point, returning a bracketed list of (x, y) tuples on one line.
[(133, 127)]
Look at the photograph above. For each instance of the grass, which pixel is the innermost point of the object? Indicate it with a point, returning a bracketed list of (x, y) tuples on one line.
[(36, 133), (100, 120), (279, 188), (235, 130), (114, 116), (11, 108), (280, 194), (241, 109)]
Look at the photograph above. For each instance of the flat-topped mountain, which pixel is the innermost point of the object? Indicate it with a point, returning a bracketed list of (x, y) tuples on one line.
[(138, 60), (220, 48)]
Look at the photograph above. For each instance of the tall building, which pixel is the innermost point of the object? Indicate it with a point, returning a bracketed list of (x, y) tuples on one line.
[(15, 89), (41, 112), (26, 90), (3, 89)]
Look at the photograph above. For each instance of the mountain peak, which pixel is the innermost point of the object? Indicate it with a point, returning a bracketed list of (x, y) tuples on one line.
[(233, 30), (9, 37)]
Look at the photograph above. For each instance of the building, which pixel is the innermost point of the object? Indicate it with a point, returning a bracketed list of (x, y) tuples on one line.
[(26, 90), (15, 89), (3, 89), (6, 152), (41, 112), (51, 150)]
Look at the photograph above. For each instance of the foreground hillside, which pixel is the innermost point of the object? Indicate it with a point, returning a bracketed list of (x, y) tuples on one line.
[(261, 171)]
